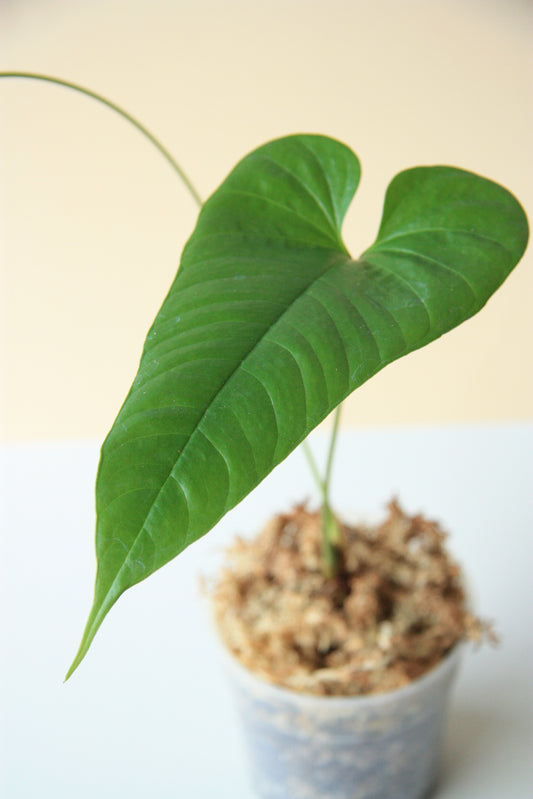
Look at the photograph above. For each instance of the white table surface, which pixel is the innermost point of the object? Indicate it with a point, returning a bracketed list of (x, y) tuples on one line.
[(147, 714)]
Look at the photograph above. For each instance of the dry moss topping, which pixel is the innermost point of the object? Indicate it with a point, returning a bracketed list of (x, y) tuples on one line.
[(397, 610)]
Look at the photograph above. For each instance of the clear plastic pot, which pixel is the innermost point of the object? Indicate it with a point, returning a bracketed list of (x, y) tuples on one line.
[(384, 746)]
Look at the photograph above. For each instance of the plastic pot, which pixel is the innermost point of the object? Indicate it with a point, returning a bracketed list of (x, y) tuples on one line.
[(383, 746)]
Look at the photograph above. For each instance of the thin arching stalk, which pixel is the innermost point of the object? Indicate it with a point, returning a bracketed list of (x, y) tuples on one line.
[(121, 112)]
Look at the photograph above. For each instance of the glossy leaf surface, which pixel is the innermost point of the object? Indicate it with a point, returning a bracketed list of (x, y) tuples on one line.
[(270, 324)]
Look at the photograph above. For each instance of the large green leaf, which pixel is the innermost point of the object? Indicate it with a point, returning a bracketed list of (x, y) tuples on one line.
[(270, 324)]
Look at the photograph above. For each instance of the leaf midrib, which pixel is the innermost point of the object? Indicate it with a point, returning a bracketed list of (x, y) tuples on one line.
[(196, 430)]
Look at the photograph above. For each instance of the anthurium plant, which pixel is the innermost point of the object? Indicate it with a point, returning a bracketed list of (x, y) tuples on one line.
[(269, 324)]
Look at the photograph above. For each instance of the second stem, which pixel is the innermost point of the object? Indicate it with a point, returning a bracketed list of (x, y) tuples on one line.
[(331, 534)]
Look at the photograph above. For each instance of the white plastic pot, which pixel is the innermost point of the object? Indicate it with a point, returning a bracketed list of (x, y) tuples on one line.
[(384, 746)]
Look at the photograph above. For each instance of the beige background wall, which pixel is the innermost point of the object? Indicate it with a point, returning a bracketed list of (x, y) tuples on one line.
[(93, 219)]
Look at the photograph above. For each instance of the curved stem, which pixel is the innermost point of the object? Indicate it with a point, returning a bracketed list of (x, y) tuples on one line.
[(331, 534), (121, 112)]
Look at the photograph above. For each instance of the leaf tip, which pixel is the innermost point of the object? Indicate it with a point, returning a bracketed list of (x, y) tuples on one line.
[(96, 616), (82, 651)]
